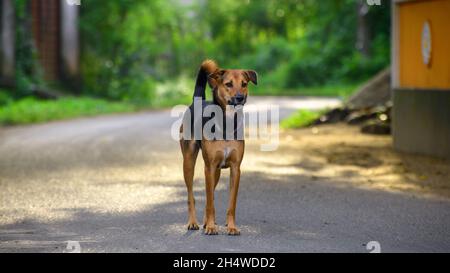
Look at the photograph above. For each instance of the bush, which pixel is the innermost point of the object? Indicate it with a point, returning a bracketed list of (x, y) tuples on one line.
[(5, 98), (299, 119)]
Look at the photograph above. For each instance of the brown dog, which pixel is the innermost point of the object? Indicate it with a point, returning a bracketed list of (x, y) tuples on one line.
[(230, 88)]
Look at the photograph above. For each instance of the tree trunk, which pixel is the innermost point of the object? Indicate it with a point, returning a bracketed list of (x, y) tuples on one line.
[(363, 39), (7, 42), (70, 46)]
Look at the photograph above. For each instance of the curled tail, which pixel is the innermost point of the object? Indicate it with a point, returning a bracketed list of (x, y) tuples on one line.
[(207, 67)]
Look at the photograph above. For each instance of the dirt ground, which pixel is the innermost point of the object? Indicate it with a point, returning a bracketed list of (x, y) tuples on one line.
[(341, 154)]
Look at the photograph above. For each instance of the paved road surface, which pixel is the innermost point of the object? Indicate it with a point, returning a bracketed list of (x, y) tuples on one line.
[(114, 184)]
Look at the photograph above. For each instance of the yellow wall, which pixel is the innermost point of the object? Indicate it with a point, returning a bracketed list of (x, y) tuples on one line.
[(413, 73)]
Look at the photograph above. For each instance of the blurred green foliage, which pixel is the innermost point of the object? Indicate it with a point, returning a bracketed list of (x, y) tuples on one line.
[(131, 46), (28, 71), (300, 119), (5, 97), (147, 52)]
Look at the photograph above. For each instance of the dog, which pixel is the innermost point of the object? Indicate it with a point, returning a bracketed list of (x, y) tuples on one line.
[(229, 88)]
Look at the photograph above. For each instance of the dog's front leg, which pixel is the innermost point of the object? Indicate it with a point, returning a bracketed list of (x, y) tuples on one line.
[(210, 175), (234, 187), (216, 181)]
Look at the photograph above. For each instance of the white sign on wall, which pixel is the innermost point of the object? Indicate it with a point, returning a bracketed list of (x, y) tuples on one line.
[(426, 43)]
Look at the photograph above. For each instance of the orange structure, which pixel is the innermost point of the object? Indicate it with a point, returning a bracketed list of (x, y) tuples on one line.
[(412, 16), (421, 76)]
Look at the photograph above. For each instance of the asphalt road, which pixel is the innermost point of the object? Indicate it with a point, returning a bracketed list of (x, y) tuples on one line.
[(114, 184)]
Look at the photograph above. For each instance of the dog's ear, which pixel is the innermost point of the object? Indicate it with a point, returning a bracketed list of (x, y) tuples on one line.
[(251, 76), (216, 77)]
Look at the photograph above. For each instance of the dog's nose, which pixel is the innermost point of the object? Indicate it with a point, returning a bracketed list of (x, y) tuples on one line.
[(239, 98)]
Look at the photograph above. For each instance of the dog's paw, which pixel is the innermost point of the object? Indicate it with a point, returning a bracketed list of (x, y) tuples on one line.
[(204, 225), (233, 231), (211, 230), (192, 226)]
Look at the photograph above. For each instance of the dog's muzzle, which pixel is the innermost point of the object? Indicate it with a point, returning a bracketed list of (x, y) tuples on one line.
[(238, 100)]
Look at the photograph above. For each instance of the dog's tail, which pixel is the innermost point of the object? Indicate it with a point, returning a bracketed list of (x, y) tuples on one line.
[(207, 67)]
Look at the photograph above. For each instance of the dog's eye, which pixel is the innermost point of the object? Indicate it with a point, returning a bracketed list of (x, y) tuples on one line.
[(244, 84), (229, 84)]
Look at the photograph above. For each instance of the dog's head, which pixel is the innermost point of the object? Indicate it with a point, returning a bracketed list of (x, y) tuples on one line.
[(230, 87)]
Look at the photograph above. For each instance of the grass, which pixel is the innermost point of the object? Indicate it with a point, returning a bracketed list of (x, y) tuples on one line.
[(300, 119), (30, 110)]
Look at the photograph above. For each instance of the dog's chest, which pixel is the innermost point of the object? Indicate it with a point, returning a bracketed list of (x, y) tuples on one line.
[(226, 155)]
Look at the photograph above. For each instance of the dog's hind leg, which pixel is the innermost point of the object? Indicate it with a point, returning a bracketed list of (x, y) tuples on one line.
[(190, 151)]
